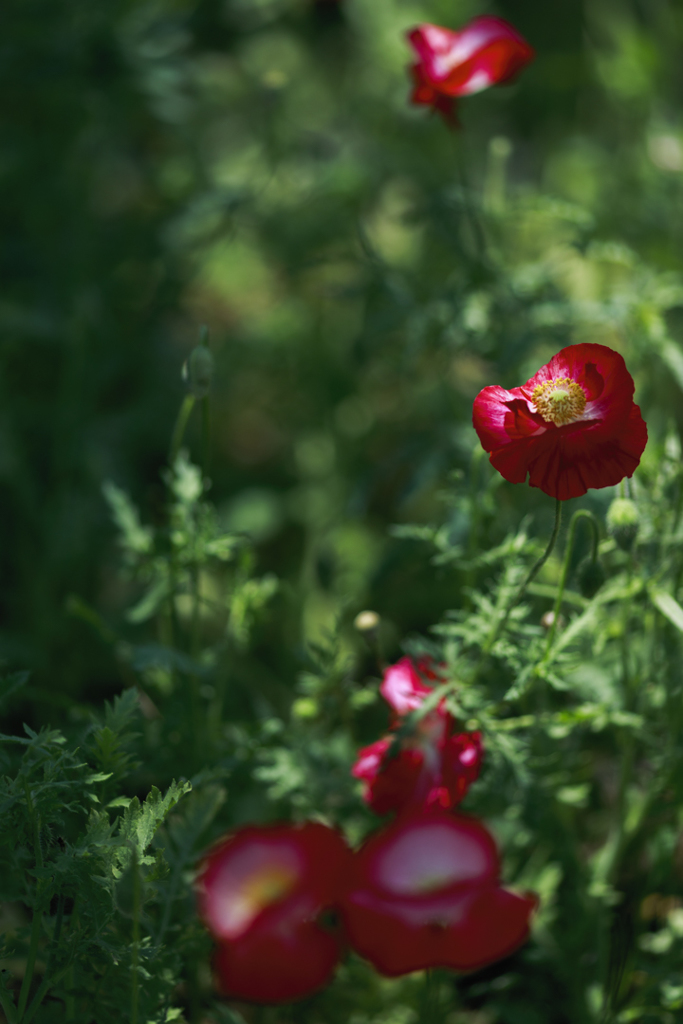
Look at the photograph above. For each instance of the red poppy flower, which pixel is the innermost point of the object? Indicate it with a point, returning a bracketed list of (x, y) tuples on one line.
[(433, 767), (261, 891), (572, 426), (485, 52), (424, 892)]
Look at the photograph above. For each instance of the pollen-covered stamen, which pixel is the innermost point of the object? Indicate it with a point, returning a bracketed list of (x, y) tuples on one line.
[(559, 401)]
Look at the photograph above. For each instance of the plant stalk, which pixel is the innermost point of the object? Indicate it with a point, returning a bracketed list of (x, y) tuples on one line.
[(180, 427), (37, 921), (581, 513)]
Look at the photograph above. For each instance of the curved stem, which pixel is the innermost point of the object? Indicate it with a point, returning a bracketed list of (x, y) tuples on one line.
[(535, 569), (500, 623), (581, 513)]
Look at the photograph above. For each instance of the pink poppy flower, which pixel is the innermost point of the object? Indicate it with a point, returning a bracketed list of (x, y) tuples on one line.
[(424, 892), (261, 891), (486, 52), (572, 426)]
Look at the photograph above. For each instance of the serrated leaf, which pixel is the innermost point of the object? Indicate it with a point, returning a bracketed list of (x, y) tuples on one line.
[(97, 777), (141, 821)]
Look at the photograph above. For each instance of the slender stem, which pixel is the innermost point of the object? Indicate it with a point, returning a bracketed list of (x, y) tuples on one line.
[(136, 940), (206, 438), (195, 702), (180, 427), (432, 1008), (473, 533), (499, 623), (536, 568), (37, 911), (581, 513)]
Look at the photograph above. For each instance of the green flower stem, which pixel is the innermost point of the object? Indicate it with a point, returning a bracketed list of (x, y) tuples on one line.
[(206, 438), (180, 427), (536, 568), (499, 623), (581, 513), (135, 992), (37, 922), (194, 682)]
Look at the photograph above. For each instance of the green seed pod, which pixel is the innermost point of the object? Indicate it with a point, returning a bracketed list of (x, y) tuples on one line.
[(198, 371), (590, 576), (622, 522)]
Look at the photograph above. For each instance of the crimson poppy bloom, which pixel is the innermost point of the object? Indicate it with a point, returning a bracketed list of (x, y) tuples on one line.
[(261, 892), (424, 892), (487, 51), (433, 767), (572, 426)]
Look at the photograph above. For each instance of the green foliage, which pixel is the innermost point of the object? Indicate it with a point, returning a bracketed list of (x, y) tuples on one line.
[(83, 871), (255, 166)]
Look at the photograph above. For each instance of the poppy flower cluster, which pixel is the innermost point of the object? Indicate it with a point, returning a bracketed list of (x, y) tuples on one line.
[(572, 426), (432, 767), (486, 52), (284, 902)]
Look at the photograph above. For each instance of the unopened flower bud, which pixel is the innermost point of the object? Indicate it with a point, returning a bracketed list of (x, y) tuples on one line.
[(198, 370), (548, 619), (591, 576), (366, 622), (622, 522)]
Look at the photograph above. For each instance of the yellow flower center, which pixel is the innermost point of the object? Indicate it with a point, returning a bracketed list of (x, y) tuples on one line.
[(559, 401), (268, 885)]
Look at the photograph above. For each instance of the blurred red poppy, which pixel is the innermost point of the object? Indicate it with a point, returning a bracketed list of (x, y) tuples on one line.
[(487, 51), (261, 892), (424, 892), (432, 767), (572, 426)]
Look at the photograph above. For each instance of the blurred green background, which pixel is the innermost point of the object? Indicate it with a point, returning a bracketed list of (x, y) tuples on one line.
[(255, 166)]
